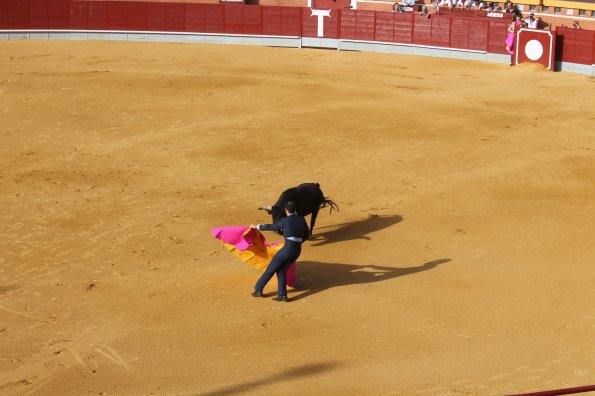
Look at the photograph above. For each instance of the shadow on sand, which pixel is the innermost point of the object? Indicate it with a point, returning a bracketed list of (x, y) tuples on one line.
[(289, 374), (315, 277), (354, 230)]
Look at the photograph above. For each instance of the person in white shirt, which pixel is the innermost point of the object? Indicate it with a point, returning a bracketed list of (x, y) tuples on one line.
[(445, 3), (531, 22)]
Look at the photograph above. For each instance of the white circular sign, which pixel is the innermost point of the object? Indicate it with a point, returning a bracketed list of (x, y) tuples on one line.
[(533, 50)]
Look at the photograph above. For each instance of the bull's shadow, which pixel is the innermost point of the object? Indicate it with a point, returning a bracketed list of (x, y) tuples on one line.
[(354, 230), (315, 277)]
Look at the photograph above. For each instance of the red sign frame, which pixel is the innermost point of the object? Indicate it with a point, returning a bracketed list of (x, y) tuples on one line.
[(535, 46)]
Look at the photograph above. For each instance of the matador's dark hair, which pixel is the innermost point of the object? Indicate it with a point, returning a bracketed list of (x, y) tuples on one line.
[(290, 206)]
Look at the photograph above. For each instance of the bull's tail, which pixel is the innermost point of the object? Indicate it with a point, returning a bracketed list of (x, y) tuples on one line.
[(330, 203)]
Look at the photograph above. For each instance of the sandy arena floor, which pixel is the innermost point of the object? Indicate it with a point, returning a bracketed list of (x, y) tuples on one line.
[(461, 261)]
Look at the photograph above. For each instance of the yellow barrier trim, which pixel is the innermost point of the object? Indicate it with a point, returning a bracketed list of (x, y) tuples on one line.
[(569, 4)]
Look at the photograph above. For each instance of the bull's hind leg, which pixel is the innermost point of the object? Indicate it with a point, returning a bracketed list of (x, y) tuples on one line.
[(313, 221)]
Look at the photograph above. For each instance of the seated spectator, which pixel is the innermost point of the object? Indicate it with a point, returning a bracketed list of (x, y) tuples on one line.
[(576, 25), (494, 7), (445, 3), (516, 11), (508, 6), (531, 22), (480, 5), (424, 11)]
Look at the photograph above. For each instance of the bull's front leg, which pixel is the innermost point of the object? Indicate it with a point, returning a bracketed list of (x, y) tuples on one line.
[(313, 221)]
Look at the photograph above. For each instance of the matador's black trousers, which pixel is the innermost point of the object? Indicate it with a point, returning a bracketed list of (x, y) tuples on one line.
[(279, 265)]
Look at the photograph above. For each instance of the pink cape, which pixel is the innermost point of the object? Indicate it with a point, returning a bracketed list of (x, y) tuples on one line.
[(510, 39), (252, 248), (510, 43)]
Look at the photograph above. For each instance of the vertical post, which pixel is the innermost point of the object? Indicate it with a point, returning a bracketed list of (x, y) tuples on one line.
[(412, 26), (339, 15), (301, 24), (374, 25), (488, 37), (450, 31)]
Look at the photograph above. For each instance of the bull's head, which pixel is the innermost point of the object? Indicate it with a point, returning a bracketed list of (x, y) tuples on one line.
[(276, 212)]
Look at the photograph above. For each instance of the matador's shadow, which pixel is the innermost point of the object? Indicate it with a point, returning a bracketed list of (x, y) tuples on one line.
[(353, 230), (315, 277)]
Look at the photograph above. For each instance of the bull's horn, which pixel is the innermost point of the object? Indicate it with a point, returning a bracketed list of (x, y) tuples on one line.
[(265, 208)]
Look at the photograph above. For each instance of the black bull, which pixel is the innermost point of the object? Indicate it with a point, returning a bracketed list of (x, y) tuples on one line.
[(308, 198)]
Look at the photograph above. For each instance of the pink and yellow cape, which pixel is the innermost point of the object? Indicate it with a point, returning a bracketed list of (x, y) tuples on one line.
[(251, 247)]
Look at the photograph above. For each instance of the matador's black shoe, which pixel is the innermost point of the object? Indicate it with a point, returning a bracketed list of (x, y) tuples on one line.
[(280, 298), (256, 294)]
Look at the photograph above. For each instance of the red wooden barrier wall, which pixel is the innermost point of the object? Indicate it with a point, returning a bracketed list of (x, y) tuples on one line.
[(573, 45), (384, 27), (453, 30), (403, 28), (496, 35)]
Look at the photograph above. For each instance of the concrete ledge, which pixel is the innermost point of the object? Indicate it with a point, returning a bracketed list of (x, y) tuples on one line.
[(117, 36), (38, 36), (589, 70), (155, 37), (498, 58), (440, 53), (195, 39), (320, 42), (79, 36), (133, 37), (282, 42), (176, 38), (96, 36), (234, 40), (214, 40), (18, 36), (347, 46), (422, 50), (477, 57), (252, 41), (58, 36), (403, 49)]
